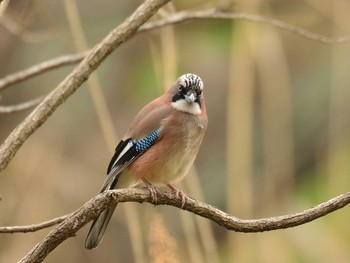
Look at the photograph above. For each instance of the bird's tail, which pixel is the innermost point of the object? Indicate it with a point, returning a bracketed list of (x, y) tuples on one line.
[(98, 228)]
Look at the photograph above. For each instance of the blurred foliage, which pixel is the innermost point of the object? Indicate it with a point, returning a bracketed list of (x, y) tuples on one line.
[(288, 148)]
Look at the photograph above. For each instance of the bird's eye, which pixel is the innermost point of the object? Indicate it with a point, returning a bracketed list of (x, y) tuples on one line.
[(199, 92), (181, 88)]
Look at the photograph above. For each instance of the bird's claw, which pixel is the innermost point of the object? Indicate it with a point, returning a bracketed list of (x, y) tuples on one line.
[(153, 191), (179, 194)]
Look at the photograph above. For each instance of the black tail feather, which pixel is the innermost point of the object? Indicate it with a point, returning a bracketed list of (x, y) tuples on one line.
[(98, 228)]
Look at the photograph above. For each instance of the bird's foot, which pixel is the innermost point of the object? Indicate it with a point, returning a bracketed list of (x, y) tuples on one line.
[(179, 194), (154, 191)]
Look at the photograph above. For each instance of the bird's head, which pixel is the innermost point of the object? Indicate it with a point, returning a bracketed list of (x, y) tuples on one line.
[(188, 94)]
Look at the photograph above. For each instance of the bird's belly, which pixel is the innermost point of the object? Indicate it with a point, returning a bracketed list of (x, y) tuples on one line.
[(163, 165), (179, 161), (166, 165), (176, 169)]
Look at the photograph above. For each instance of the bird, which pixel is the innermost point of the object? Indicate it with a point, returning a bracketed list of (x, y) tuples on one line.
[(159, 147)]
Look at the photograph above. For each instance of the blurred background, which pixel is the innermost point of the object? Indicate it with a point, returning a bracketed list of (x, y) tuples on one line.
[(277, 142)]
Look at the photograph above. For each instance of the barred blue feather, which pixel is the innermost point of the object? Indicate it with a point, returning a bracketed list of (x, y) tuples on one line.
[(145, 143)]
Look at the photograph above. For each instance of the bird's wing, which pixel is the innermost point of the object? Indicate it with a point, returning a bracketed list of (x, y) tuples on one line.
[(149, 119), (127, 152), (142, 134)]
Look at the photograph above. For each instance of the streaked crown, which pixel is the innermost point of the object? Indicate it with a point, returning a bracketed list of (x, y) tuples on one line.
[(188, 95), (190, 80)]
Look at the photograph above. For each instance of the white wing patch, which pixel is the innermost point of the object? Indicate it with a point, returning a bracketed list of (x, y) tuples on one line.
[(127, 147), (183, 105)]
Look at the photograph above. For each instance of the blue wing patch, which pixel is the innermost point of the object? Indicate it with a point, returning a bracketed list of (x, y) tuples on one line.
[(127, 152), (145, 143)]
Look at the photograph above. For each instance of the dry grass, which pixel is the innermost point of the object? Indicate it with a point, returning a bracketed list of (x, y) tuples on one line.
[(162, 247)]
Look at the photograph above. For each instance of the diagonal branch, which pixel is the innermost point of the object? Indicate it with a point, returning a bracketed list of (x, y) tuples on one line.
[(76, 78), (96, 205), (41, 68)]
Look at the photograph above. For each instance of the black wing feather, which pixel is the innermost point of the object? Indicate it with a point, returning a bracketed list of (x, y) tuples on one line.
[(126, 152), (121, 145)]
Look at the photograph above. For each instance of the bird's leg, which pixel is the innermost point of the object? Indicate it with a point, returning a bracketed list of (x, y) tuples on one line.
[(152, 190), (178, 194)]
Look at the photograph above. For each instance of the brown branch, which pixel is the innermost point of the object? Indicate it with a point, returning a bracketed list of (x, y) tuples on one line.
[(33, 227), (74, 80), (41, 68), (177, 18), (20, 107), (96, 205), (213, 13)]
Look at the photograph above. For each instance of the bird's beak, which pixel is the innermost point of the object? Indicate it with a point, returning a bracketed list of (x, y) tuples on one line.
[(190, 97)]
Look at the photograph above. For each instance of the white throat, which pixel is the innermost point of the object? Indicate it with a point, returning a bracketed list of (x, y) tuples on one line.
[(183, 105)]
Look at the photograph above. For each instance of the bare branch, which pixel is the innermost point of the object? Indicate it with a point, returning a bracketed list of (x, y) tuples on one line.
[(41, 68), (31, 228), (74, 80), (20, 107), (184, 16), (177, 18), (96, 205)]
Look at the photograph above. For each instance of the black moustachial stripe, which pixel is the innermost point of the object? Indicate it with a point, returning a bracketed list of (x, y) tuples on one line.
[(178, 96), (198, 100)]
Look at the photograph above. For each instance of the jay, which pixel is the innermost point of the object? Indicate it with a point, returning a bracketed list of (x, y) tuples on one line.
[(159, 148)]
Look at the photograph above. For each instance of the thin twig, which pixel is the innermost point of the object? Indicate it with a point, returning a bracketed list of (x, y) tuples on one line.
[(212, 13), (76, 78), (32, 228), (176, 18), (41, 68), (20, 107), (96, 205)]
